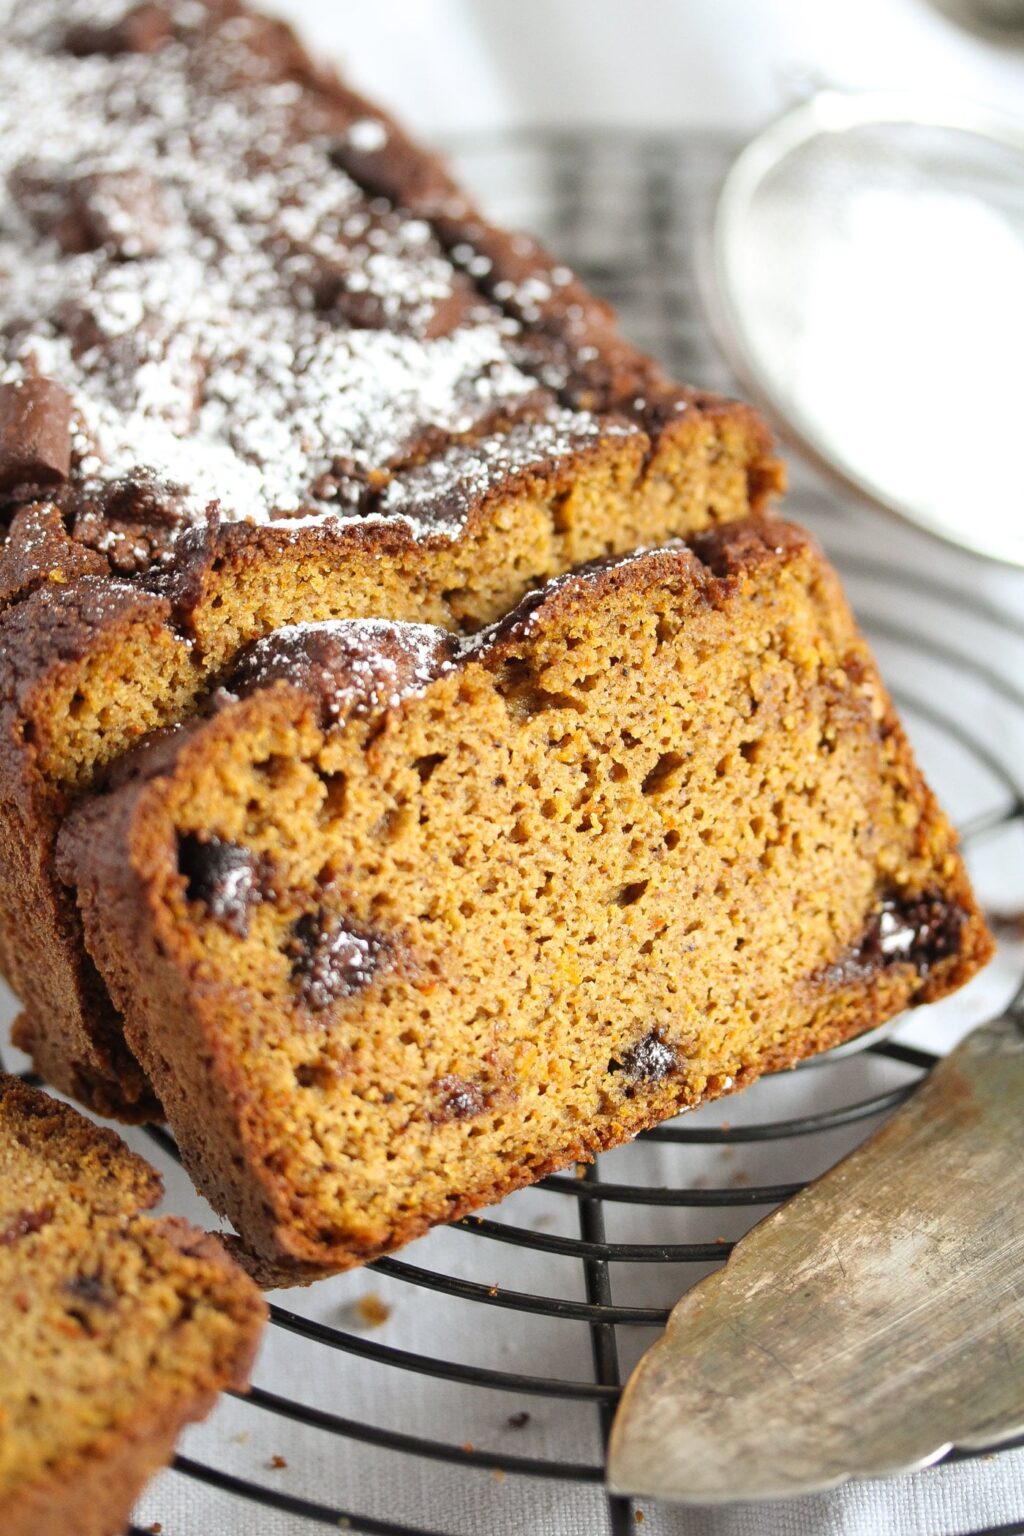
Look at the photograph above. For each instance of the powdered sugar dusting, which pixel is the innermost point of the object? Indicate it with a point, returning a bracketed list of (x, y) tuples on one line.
[(236, 321), (368, 135), (351, 666), (443, 486)]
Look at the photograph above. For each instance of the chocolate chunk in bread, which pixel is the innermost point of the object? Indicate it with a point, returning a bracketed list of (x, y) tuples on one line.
[(333, 958), (225, 879), (650, 1060), (35, 433), (144, 28), (345, 666), (920, 930)]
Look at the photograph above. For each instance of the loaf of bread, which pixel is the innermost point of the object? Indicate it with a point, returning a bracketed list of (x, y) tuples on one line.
[(261, 360), (118, 1329), (402, 922)]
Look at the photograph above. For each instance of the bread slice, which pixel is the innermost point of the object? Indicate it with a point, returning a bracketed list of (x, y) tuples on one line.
[(118, 1329), (407, 922), (262, 359)]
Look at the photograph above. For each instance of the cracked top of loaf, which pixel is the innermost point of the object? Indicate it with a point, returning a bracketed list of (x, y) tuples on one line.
[(232, 291)]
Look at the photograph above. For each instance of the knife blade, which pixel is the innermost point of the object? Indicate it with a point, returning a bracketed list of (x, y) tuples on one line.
[(867, 1326)]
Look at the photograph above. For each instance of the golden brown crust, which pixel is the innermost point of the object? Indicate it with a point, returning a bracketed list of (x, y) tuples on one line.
[(72, 1150), (94, 1290), (68, 1029), (95, 1496), (831, 824)]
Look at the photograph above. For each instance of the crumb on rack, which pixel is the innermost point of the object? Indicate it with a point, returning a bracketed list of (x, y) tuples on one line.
[(371, 1311)]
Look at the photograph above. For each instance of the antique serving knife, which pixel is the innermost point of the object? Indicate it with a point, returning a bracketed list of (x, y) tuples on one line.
[(867, 1326)]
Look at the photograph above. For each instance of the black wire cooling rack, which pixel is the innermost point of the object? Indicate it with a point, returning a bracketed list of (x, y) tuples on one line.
[(483, 1404)]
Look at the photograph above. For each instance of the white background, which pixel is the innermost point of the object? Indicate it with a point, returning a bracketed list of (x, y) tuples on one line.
[(451, 64)]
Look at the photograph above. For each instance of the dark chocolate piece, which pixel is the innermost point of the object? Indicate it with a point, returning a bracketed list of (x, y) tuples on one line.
[(122, 212), (145, 29), (131, 521), (356, 281), (227, 879), (40, 550), (333, 957), (348, 666), (91, 1290), (35, 433), (906, 930), (457, 1098), (922, 931), (650, 1060), (24, 1223)]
